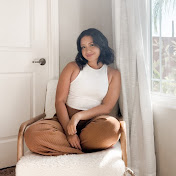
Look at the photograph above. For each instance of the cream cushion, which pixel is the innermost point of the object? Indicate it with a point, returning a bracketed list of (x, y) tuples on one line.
[(103, 163)]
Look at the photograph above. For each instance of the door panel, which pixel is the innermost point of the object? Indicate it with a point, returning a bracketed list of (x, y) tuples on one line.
[(15, 23), (23, 38)]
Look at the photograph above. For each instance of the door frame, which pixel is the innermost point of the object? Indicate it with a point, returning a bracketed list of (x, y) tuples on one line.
[(53, 38)]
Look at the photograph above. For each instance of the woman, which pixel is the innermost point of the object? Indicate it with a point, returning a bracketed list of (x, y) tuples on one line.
[(86, 93)]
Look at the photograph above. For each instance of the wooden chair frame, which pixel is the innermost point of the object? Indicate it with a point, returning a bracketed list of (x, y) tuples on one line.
[(24, 125)]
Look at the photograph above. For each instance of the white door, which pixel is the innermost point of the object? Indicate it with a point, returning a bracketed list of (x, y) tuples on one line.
[(23, 38)]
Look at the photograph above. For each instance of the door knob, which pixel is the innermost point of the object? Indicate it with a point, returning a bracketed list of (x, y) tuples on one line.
[(41, 61)]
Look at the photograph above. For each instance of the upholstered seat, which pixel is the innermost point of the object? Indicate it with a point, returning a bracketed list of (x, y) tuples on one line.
[(103, 163)]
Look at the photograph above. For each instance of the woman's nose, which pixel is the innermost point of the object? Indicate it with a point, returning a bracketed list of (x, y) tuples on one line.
[(88, 49)]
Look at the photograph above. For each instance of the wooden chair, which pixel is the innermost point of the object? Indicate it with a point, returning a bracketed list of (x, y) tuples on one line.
[(108, 162)]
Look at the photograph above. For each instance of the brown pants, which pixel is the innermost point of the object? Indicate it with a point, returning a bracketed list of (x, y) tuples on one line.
[(46, 137)]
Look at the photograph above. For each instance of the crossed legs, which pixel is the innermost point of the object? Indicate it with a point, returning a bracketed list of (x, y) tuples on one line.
[(47, 137), (101, 133)]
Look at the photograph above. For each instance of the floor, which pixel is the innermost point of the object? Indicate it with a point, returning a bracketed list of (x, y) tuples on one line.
[(7, 171)]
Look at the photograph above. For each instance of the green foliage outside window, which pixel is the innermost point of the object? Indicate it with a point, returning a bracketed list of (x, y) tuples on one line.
[(167, 75), (164, 48)]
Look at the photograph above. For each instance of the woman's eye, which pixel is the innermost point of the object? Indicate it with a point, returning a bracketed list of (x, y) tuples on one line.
[(82, 47), (92, 44)]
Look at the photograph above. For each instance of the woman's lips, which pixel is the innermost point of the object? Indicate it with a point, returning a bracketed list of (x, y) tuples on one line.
[(89, 55)]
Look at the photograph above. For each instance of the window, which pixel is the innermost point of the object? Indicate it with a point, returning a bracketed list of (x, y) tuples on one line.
[(164, 46)]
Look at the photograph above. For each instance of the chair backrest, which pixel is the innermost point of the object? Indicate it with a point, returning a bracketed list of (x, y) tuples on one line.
[(50, 98)]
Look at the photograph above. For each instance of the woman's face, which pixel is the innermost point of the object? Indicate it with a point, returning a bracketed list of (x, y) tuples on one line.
[(89, 51)]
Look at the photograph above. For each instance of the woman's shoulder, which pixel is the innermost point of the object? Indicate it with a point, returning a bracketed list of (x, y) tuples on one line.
[(113, 71), (113, 74), (71, 66)]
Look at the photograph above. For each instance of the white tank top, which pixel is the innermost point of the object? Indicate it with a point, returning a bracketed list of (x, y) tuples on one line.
[(89, 88)]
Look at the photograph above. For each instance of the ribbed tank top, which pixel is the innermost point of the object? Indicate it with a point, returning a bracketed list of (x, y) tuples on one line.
[(88, 89)]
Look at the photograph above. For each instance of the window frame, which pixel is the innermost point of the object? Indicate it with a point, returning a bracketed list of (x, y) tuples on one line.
[(158, 97)]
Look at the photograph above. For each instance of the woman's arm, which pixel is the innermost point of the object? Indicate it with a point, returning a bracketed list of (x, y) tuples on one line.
[(106, 107), (61, 96)]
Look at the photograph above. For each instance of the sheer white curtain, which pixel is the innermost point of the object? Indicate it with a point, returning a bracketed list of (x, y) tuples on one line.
[(131, 34)]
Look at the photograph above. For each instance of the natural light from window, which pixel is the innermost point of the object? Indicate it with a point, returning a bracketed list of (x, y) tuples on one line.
[(164, 47)]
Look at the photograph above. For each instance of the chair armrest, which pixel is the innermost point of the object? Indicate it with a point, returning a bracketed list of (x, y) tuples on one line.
[(20, 143)]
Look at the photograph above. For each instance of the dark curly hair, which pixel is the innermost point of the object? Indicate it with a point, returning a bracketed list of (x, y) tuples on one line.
[(106, 53)]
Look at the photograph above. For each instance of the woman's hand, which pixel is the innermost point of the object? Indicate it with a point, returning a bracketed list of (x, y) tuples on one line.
[(74, 141), (71, 127)]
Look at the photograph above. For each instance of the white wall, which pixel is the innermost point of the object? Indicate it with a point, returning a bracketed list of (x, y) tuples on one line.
[(78, 15), (165, 137)]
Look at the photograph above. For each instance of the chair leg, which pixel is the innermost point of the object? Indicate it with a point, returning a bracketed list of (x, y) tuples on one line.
[(123, 141), (128, 170)]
